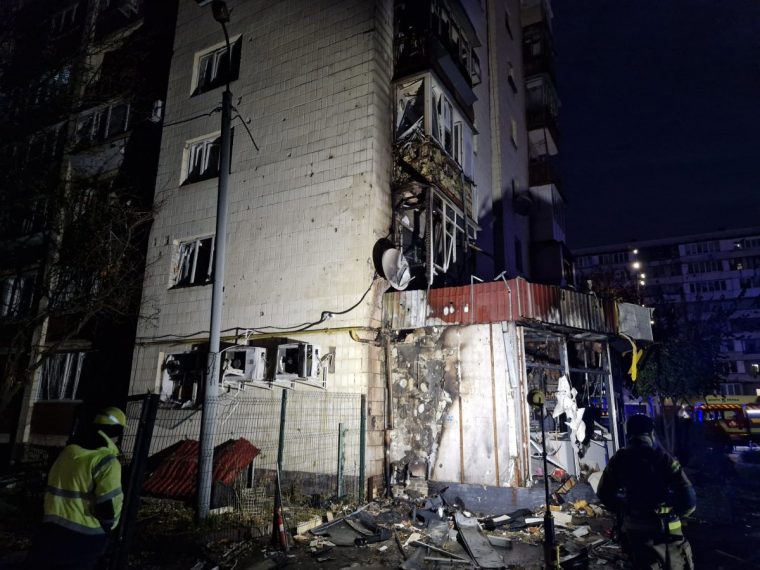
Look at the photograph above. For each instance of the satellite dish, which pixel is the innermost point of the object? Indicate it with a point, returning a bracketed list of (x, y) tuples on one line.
[(391, 264)]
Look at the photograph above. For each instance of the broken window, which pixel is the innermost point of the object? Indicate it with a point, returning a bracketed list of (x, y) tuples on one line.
[(431, 232), (60, 374), (431, 111), (101, 124), (445, 123), (410, 109), (458, 143), (181, 376), (16, 293), (64, 20), (195, 263), (202, 159), (214, 67)]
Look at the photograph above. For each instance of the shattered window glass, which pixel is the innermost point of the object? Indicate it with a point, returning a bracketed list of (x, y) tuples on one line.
[(60, 376), (213, 67), (202, 160), (195, 263), (411, 108)]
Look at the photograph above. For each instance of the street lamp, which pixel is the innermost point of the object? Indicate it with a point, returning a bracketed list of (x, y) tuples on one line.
[(208, 412)]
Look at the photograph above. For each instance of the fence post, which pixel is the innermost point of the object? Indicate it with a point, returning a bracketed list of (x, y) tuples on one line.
[(277, 517), (281, 442), (340, 488), (143, 438), (362, 446)]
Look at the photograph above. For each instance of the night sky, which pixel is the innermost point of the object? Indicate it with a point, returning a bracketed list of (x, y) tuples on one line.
[(660, 117)]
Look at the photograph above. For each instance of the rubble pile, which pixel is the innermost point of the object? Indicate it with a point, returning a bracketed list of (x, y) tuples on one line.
[(433, 532)]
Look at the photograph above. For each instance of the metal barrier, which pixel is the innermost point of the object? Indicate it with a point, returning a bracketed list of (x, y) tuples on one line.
[(320, 438)]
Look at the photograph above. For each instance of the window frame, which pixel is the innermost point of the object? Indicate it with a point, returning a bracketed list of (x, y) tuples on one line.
[(236, 44), (192, 246), (16, 295), (100, 124), (72, 369), (188, 158)]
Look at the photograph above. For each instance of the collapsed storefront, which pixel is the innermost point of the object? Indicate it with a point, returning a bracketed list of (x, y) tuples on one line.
[(461, 361)]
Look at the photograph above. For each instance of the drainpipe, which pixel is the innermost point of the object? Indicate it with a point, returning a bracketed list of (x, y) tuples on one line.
[(473, 278), (509, 294), (388, 415)]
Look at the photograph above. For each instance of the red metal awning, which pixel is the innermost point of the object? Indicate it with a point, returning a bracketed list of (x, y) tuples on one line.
[(176, 476)]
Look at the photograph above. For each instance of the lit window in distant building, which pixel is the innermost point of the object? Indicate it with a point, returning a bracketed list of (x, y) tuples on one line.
[(731, 389), (212, 66), (195, 263), (701, 247)]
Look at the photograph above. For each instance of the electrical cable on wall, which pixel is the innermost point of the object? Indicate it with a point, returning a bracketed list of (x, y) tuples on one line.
[(324, 316)]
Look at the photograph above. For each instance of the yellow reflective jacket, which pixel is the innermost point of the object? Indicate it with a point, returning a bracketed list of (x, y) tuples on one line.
[(79, 480)]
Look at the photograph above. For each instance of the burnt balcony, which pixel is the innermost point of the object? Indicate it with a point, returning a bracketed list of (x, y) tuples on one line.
[(418, 52), (422, 159), (542, 172), (538, 51), (118, 15), (543, 132)]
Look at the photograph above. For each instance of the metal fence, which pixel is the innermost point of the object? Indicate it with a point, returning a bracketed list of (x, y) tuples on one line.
[(321, 441)]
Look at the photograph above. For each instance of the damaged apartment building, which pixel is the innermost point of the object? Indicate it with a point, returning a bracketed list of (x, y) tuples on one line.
[(392, 145), (81, 85)]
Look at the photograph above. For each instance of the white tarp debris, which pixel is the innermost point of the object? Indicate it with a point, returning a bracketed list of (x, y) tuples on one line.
[(567, 405)]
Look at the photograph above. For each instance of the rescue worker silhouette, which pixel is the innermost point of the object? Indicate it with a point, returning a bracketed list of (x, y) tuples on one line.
[(649, 492), (83, 498)]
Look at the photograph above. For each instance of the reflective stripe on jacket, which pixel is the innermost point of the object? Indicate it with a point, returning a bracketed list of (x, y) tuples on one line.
[(79, 480)]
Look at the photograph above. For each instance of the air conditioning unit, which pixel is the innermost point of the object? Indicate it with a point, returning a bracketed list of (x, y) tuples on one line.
[(298, 360), (245, 365)]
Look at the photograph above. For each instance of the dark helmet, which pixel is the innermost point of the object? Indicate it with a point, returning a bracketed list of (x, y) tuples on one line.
[(639, 424)]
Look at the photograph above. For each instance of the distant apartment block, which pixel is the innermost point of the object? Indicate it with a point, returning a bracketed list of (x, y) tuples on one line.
[(713, 275), (81, 90)]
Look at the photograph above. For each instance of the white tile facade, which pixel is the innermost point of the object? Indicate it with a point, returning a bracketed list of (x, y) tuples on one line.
[(307, 208)]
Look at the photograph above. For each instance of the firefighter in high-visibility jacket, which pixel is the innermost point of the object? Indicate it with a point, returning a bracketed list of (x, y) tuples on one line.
[(649, 492), (83, 498)]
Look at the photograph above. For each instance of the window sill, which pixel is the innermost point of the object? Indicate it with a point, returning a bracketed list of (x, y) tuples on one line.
[(189, 286), (213, 87), (190, 181)]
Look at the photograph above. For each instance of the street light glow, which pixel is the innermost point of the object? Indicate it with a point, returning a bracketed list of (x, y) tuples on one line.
[(636, 265)]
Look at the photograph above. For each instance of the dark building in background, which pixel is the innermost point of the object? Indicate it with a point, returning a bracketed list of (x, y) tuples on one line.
[(81, 91), (550, 257), (711, 277)]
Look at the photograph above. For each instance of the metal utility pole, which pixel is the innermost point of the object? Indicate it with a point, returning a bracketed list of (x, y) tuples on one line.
[(536, 399), (210, 393)]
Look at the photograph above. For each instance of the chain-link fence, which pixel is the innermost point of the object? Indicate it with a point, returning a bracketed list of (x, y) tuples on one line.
[(320, 437)]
